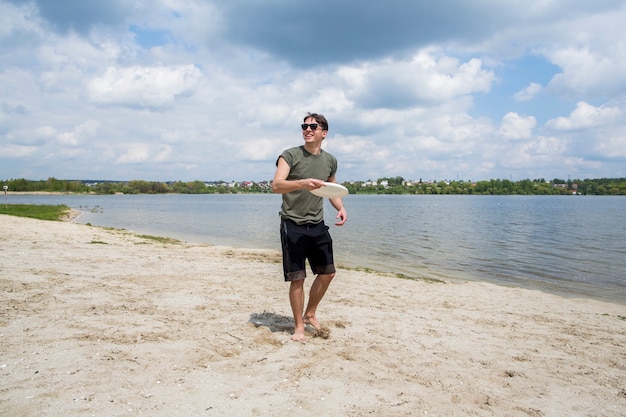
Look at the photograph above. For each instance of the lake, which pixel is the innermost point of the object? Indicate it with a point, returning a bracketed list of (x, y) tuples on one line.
[(568, 245)]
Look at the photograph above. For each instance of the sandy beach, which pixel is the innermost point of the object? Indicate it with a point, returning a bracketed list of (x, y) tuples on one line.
[(101, 322)]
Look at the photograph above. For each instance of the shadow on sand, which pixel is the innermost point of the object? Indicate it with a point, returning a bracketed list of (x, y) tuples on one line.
[(274, 322)]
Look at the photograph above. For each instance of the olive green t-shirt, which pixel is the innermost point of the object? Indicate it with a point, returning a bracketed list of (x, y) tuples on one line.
[(302, 206)]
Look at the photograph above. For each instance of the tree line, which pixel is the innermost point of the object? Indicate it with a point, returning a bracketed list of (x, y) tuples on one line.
[(133, 187), (397, 185), (394, 185)]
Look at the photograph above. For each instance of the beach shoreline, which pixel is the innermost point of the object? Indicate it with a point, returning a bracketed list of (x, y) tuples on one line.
[(579, 263), (97, 321)]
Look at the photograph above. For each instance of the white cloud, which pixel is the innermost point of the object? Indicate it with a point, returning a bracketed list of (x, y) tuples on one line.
[(529, 92), (425, 95), (430, 77), (515, 126), (144, 86), (536, 154), (591, 51), (590, 72), (613, 146), (79, 134), (144, 152), (18, 151), (585, 116), (18, 19)]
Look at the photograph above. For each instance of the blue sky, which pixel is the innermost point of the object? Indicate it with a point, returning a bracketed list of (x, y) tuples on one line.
[(215, 90)]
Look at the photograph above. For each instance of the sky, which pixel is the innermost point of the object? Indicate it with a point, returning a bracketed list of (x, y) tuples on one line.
[(185, 90)]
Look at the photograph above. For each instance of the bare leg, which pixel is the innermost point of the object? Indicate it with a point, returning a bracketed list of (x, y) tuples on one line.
[(318, 289), (296, 298)]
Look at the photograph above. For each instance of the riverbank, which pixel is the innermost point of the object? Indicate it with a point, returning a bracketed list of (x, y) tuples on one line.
[(98, 321)]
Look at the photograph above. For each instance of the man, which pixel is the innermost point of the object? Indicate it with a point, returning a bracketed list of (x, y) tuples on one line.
[(303, 232)]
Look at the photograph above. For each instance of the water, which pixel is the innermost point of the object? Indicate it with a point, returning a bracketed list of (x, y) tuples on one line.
[(569, 245)]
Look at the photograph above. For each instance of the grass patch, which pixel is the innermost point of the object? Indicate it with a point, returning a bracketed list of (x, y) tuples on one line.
[(36, 211), (58, 212), (391, 274), (160, 239)]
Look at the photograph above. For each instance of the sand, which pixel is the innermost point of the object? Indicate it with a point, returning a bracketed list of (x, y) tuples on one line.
[(101, 322)]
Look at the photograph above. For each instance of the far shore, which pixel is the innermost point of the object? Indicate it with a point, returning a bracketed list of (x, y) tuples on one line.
[(9, 193)]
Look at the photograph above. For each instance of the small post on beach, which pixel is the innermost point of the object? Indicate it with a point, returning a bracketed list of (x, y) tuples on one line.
[(5, 188)]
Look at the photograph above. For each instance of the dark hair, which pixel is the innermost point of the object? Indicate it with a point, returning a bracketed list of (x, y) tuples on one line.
[(319, 118)]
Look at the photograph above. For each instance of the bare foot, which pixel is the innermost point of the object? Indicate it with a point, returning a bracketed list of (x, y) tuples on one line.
[(312, 321), (320, 330), (298, 336)]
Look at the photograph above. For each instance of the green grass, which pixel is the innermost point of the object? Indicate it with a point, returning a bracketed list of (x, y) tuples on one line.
[(56, 213), (391, 274), (160, 239), (35, 211)]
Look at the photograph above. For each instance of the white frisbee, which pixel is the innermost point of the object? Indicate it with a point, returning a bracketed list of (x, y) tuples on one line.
[(331, 190)]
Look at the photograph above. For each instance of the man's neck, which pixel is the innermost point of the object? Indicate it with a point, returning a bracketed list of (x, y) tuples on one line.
[(314, 149)]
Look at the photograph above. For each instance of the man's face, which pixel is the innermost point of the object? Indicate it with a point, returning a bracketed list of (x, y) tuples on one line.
[(311, 135)]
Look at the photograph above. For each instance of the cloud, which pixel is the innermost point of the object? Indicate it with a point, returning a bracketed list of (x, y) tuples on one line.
[(585, 116), (427, 78), (528, 93), (535, 154), (339, 32), (596, 136), (143, 152), (162, 90), (78, 15), (516, 127), (589, 72), (143, 86), (18, 151), (79, 134), (613, 146), (13, 109)]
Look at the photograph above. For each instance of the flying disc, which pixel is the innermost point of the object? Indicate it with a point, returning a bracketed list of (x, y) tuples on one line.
[(331, 190)]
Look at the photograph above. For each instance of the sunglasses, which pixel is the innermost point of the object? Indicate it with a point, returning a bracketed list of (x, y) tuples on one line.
[(313, 126)]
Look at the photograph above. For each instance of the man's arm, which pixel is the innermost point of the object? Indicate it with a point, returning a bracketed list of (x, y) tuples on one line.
[(281, 185), (337, 203)]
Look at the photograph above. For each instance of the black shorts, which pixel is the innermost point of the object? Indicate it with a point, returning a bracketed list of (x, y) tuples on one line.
[(310, 242)]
